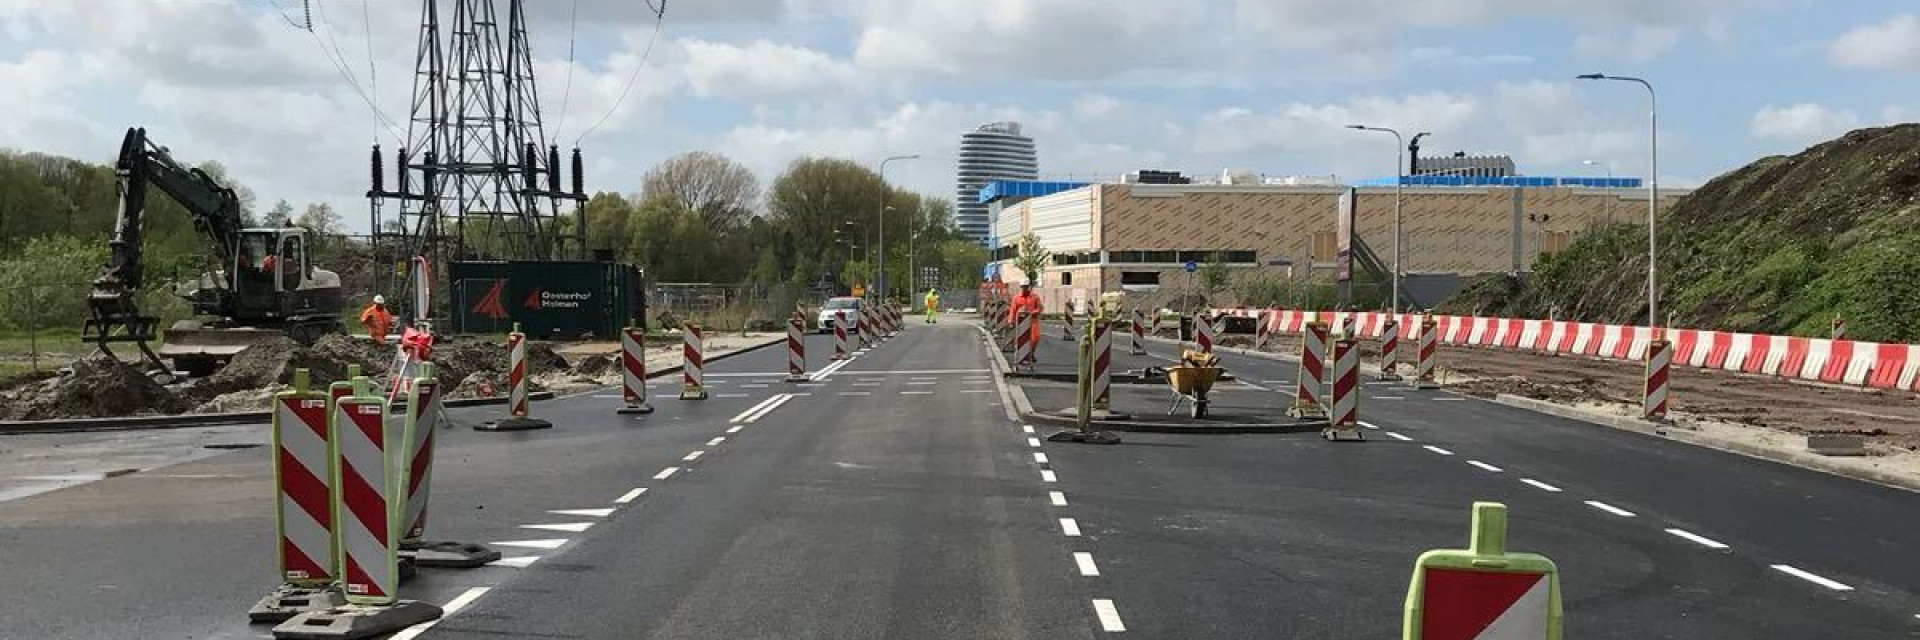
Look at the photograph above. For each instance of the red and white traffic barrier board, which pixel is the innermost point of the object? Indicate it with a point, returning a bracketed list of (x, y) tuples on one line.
[(1390, 349), (303, 473), (368, 497), (422, 419), (1067, 324), (1425, 354), (1483, 592), (1343, 422), (1659, 365), (796, 349), (633, 370), (1102, 365), (1203, 333), (1023, 346), (1155, 326), (840, 336), (1309, 393), (863, 329), (693, 349), (517, 373), (1260, 335)]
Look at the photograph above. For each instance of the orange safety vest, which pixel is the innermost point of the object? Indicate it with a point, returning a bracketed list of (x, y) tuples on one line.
[(1024, 301), (378, 320)]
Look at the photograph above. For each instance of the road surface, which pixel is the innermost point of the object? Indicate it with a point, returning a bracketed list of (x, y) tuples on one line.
[(896, 496)]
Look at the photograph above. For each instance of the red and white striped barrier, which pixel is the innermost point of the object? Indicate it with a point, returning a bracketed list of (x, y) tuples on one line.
[(1023, 346), (1390, 349), (420, 423), (840, 336), (863, 328), (1309, 399), (303, 515), (1259, 336), (633, 371), (1067, 324), (1102, 366), (369, 499), (1344, 422), (1139, 326), (1155, 327), (693, 370), (1203, 333), (517, 377), (796, 349), (1659, 364), (1426, 354)]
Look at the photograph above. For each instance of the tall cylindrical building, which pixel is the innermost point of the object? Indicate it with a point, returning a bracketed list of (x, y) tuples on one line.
[(991, 152)]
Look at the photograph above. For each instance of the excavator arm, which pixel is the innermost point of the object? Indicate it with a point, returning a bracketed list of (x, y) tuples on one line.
[(215, 209)]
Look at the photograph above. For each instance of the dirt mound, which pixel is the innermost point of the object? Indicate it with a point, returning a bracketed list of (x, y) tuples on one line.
[(593, 365), (336, 347), (459, 358), (272, 363), (98, 387)]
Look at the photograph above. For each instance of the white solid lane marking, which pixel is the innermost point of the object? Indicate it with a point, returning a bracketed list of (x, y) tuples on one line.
[(856, 393), (753, 386), (1449, 399), (1026, 428), (976, 391), (1039, 457), (1396, 435), (1697, 539), (1059, 499), (1610, 508), (922, 372), (876, 380), (447, 610), (569, 527), (1484, 465), (549, 543), (866, 384), (1085, 560), (1541, 485), (730, 395), (590, 513), (519, 562), (694, 456), (916, 393), (1803, 575), (1109, 616), (811, 385), (736, 428), (1033, 442), (749, 412), (920, 383), (1069, 527), (1046, 475), (630, 496), (716, 441), (1438, 450), (1389, 397), (764, 408), (666, 473)]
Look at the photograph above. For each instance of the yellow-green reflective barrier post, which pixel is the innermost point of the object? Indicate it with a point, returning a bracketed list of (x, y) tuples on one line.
[(1483, 591)]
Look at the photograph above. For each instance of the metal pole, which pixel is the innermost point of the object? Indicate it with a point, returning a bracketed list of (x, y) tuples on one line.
[(1653, 191), (880, 280), (1399, 166)]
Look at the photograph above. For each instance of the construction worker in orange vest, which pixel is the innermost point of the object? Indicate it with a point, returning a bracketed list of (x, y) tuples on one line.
[(1025, 301), (377, 319)]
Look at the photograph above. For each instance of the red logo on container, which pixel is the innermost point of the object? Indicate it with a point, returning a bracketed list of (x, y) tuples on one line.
[(533, 300), (490, 305)]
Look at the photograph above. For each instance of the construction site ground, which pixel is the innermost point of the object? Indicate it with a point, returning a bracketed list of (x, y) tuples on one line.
[(74, 385)]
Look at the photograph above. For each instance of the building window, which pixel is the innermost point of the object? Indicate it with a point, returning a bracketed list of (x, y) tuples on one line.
[(1325, 246), (1066, 279), (1139, 278)]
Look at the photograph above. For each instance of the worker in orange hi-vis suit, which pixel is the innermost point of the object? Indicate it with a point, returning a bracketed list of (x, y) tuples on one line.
[(1025, 301), (377, 319)]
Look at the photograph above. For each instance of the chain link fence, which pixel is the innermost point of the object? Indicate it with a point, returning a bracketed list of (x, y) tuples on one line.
[(730, 307), (40, 327)]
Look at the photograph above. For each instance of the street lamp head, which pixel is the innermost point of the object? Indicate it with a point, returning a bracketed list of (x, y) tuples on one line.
[(1591, 76), (1356, 126)]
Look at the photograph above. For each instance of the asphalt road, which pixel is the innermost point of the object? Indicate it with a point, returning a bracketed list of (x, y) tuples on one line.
[(895, 496)]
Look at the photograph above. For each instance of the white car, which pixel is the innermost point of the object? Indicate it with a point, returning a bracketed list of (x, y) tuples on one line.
[(830, 312)]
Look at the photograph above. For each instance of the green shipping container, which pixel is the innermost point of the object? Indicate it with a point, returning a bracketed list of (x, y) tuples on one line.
[(549, 299)]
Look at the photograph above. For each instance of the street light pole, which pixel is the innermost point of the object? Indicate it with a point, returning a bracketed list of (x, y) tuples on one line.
[(1653, 191), (880, 281), (1399, 163)]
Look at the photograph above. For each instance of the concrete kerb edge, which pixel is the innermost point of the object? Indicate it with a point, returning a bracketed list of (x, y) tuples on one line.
[(1021, 406), (192, 420), (1682, 434)]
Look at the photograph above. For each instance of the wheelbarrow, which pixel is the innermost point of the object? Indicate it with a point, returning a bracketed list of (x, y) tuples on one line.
[(1192, 379)]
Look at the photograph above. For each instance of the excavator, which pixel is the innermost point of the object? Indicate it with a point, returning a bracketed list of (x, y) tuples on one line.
[(258, 283)]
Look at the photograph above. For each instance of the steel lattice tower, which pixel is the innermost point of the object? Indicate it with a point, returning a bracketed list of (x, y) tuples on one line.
[(476, 142)]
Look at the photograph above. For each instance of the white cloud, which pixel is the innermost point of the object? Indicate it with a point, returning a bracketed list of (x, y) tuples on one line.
[(1300, 126), (1069, 40), (1894, 44), (1639, 43), (1805, 122), (762, 69), (1095, 105)]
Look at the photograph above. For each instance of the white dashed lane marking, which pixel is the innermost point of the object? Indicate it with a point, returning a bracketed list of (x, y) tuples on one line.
[(1438, 450), (1059, 499), (630, 496), (1397, 436), (451, 607), (716, 441), (1046, 475), (1026, 428), (694, 456), (1033, 442), (548, 543), (916, 393), (517, 562), (1541, 485), (1484, 466), (736, 428), (666, 473), (1085, 561), (590, 513), (1803, 575), (1109, 616), (1040, 457), (1069, 527), (1697, 539), (1610, 508), (569, 527)]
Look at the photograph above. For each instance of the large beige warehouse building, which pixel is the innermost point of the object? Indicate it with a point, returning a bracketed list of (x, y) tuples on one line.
[(1137, 237)]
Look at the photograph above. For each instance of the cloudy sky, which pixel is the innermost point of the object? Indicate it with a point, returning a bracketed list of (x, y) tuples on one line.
[(1105, 86)]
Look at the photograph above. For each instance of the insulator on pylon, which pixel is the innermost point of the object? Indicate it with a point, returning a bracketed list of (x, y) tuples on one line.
[(553, 168), (378, 174), (400, 171), (579, 173), (528, 159)]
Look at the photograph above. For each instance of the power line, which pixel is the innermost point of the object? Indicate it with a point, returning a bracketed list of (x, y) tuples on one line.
[(340, 64), (659, 21), (566, 95), (373, 72)]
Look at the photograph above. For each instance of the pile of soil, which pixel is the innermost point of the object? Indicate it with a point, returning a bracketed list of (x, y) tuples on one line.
[(458, 360), (1580, 391), (98, 387), (593, 365)]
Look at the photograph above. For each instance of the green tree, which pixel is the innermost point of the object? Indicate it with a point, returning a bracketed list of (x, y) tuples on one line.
[(281, 213), (723, 191), (1030, 258), (1214, 275)]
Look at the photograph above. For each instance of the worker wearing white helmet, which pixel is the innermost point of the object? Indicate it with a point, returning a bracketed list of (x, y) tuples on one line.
[(377, 319)]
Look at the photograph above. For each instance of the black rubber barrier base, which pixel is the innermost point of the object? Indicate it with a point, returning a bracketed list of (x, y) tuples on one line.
[(644, 408), (289, 601), (514, 424), (352, 622), (449, 555), (1085, 437)]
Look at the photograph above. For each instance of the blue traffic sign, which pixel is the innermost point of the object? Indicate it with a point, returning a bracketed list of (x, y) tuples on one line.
[(1192, 266)]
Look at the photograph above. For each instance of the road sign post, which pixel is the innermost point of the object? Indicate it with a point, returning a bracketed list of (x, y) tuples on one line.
[(1483, 591)]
